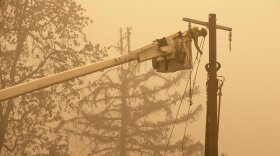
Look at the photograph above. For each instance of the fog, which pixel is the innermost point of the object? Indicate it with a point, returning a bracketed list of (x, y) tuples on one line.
[(131, 109), (250, 122)]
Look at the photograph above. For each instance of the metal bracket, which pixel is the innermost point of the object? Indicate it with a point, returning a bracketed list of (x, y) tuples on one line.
[(206, 24), (218, 66)]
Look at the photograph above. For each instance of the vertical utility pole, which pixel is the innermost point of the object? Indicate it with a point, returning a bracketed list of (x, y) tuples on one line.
[(124, 94), (123, 130), (121, 41), (128, 33), (211, 137), (128, 38)]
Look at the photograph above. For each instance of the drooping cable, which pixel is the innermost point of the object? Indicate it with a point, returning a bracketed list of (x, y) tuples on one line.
[(181, 101), (220, 99), (176, 117), (194, 81), (201, 47)]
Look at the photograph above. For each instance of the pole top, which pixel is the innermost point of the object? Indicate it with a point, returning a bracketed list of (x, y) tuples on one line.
[(206, 23)]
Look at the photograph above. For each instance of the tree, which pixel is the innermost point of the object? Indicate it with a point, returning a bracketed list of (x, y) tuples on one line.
[(39, 38), (128, 112)]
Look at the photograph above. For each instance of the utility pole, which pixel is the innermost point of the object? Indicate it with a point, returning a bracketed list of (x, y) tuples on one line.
[(124, 94), (128, 33), (211, 137), (123, 89)]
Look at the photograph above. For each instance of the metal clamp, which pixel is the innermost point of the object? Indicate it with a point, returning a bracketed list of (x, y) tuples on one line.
[(218, 66)]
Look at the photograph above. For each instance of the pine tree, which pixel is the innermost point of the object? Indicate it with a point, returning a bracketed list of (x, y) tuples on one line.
[(130, 112)]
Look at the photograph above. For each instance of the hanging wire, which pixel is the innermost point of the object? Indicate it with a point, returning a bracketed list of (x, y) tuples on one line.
[(181, 101), (173, 125), (201, 47), (194, 81), (220, 99), (183, 140)]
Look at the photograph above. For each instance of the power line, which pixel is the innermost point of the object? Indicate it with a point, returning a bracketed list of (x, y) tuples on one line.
[(183, 140), (194, 81), (220, 99), (181, 101), (173, 125)]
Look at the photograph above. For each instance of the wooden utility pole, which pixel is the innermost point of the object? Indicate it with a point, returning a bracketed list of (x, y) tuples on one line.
[(128, 33), (124, 95), (123, 90), (211, 137)]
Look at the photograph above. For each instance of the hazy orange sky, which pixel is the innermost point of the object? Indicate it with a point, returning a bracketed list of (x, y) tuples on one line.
[(250, 118)]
